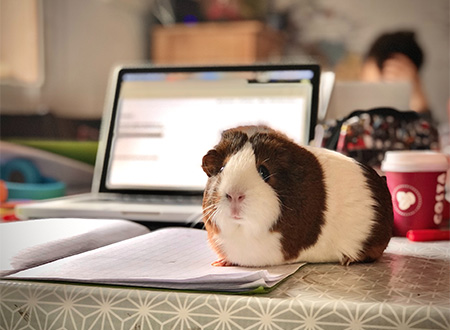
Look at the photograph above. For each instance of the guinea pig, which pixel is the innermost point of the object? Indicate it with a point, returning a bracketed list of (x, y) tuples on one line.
[(270, 201)]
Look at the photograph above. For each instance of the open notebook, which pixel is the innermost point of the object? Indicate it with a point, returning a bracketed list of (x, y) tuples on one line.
[(160, 121), (122, 252)]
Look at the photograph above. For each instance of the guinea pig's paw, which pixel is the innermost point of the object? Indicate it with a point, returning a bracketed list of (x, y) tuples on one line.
[(346, 261), (222, 263)]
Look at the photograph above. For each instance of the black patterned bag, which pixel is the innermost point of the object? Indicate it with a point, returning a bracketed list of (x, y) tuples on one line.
[(366, 135)]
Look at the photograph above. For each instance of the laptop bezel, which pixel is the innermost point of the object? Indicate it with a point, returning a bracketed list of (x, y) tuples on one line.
[(112, 102)]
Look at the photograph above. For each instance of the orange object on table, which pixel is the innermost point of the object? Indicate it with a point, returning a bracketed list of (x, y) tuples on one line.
[(3, 191)]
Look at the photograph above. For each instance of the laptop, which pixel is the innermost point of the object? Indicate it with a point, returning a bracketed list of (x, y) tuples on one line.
[(159, 122), (348, 96)]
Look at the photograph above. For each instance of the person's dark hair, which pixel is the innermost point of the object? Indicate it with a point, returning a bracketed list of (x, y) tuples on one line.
[(403, 42)]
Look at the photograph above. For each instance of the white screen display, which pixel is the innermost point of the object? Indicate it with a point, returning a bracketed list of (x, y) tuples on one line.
[(163, 131)]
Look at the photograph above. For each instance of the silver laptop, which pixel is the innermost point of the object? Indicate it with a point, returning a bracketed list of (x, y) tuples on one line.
[(160, 121), (348, 96)]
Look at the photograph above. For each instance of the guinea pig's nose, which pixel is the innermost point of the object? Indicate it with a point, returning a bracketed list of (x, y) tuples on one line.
[(235, 197)]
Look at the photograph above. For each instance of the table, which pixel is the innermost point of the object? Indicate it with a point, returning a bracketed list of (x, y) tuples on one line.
[(408, 288)]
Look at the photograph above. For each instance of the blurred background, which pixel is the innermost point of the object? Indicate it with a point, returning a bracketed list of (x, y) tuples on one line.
[(56, 55)]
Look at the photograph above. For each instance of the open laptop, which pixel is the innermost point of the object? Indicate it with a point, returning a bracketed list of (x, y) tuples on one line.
[(348, 96), (160, 121)]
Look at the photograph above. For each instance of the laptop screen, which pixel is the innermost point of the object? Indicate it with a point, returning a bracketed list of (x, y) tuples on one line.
[(164, 120)]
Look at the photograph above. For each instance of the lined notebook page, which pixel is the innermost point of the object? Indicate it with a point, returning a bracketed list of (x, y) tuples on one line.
[(170, 257)]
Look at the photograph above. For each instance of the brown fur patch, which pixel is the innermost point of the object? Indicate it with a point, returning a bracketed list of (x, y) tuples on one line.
[(209, 202), (297, 178), (384, 217)]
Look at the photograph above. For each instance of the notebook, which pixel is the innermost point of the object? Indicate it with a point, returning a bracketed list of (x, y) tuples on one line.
[(158, 123), (348, 96)]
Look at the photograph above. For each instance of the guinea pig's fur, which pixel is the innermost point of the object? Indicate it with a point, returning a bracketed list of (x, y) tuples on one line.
[(270, 201)]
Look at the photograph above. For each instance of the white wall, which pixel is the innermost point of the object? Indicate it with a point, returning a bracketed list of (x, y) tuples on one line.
[(83, 40)]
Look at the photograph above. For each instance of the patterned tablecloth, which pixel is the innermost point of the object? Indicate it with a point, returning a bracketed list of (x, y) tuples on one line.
[(409, 288)]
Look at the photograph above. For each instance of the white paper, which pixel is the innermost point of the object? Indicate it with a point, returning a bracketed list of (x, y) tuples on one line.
[(178, 258)]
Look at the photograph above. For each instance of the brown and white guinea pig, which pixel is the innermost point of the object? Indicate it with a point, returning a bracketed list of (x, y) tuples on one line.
[(269, 201)]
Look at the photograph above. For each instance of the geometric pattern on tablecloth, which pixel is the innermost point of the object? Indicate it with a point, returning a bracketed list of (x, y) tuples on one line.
[(403, 290)]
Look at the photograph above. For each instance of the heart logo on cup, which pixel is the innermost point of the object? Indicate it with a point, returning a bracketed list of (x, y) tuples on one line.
[(405, 199)]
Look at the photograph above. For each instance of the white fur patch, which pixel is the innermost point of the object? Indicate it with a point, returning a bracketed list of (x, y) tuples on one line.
[(248, 241), (349, 216)]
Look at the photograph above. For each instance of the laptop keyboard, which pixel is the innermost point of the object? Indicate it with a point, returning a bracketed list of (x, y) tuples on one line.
[(158, 199)]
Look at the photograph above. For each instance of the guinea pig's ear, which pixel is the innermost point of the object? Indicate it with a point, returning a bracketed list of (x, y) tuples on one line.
[(212, 162)]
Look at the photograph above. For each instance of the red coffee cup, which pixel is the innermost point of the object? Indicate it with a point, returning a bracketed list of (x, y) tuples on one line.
[(416, 180)]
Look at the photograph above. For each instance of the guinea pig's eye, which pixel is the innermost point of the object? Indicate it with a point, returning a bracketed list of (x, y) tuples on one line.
[(221, 169), (264, 172)]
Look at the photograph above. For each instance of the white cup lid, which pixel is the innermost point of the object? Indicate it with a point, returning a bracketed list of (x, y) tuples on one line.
[(414, 161)]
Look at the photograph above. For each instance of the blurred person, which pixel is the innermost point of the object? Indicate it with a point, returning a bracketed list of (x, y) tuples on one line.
[(397, 57)]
